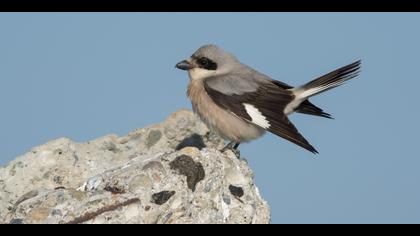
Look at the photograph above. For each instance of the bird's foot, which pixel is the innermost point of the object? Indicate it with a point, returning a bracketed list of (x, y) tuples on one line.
[(233, 146)]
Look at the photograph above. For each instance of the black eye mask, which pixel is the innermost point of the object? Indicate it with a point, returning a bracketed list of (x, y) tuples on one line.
[(205, 63)]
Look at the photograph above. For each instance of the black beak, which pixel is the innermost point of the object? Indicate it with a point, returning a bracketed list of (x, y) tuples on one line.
[(184, 65)]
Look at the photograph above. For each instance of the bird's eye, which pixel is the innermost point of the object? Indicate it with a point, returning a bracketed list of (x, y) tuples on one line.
[(203, 61), (206, 63)]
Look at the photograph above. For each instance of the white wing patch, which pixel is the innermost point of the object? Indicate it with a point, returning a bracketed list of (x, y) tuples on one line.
[(256, 116)]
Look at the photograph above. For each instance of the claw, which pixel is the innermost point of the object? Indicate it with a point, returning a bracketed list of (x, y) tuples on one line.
[(233, 146)]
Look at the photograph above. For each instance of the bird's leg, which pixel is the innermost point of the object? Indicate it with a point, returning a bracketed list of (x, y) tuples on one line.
[(229, 146), (236, 150), (233, 146)]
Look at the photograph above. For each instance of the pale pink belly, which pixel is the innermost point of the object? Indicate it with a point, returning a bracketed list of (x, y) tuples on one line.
[(229, 126), (223, 122)]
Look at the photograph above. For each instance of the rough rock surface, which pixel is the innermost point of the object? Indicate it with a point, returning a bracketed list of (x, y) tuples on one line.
[(166, 173)]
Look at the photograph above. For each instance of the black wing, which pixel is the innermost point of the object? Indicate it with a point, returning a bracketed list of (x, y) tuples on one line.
[(270, 99)]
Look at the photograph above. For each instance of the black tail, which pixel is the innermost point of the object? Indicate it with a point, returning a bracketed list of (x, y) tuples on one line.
[(307, 107), (322, 84), (330, 80)]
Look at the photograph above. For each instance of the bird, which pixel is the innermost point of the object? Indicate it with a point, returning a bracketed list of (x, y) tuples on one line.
[(241, 104)]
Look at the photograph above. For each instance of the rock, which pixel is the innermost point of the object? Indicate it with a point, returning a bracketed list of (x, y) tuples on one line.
[(236, 191), (168, 173), (162, 197), (194, 171)]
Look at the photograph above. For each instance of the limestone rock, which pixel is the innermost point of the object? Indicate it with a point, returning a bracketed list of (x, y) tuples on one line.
[(171, 172)]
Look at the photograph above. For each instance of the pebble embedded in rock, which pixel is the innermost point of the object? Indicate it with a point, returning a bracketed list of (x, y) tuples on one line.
[(37, 215), (236, 191), (226, 199), (186, 166), (16, 222), (190, 151), (140, 183), (194, 140), (162, 197), (110, 146), (27, 196), (153, 137), (114, 189), (154, 165)]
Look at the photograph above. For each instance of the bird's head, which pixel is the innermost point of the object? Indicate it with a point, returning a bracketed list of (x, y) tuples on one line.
[(209, 60)]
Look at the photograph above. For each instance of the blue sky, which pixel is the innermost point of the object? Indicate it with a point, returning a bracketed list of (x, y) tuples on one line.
[(85, 75)]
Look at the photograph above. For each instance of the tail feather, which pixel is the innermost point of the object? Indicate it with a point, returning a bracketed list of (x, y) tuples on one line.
[(307, 107), (329, 81)]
